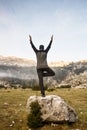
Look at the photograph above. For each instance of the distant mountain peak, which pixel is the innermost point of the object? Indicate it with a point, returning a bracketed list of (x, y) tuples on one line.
[(11, 60), (59, 63)]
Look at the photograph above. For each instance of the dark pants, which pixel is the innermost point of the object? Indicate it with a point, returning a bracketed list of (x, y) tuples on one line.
[(44, 72)]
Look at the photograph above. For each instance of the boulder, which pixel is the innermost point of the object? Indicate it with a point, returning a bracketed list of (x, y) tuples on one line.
[(54, 109)]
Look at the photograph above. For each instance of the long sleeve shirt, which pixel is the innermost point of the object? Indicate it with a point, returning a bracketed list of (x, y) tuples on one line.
[(41, 56)]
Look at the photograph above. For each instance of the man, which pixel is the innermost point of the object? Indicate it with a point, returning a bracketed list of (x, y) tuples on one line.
[(43, 69)]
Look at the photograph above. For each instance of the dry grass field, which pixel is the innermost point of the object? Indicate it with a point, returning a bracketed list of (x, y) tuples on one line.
[(13, 115)]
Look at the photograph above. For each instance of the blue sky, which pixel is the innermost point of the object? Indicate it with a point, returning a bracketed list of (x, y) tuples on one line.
[(65, 19)]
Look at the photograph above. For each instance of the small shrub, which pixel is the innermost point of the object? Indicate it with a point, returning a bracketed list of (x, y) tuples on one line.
[(2, 86), (34, 118), (50, 89), (37, 88)]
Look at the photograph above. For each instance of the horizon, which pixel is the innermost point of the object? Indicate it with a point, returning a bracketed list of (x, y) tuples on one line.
[(65, 19), (81, 60)]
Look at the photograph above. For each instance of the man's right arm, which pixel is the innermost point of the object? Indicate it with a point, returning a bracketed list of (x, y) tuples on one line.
[(34, 48)]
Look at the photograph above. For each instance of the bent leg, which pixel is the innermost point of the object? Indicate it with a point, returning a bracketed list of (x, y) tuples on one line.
[(48, 72), (40, 76)]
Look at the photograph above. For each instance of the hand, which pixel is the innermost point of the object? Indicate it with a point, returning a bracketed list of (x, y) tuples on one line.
[(52, 38), (30, 37)]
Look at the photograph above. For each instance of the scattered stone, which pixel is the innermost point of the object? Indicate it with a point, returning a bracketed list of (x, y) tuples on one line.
[(21, 121), (20, 104), (54, 109), (6, 104), (11, 125), (81, 112), (13, 122)]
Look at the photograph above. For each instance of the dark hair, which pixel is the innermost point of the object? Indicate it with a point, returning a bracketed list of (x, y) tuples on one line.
[(41, 47)]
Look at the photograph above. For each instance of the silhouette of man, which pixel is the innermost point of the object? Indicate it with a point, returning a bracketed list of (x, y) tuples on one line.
[(43, 69)]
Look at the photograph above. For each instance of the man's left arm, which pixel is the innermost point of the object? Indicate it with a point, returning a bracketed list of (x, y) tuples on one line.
[(49, 46)]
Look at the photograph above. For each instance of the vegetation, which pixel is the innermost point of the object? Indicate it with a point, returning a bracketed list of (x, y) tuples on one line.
[(13, 114), (34, 117)]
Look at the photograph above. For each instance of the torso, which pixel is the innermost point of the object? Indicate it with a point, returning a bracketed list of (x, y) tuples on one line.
[(41, 59)]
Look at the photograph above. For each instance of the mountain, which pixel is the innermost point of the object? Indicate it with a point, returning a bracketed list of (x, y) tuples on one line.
[(59, 63), (74, 74), (16, 70), (14, 61)]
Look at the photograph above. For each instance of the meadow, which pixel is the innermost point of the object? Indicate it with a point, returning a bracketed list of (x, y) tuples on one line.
[(13, 114)]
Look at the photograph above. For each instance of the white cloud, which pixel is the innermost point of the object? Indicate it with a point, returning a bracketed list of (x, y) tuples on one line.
[(68, 26)]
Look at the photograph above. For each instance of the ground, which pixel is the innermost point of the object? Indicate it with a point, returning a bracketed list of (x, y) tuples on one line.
[(13, 114)]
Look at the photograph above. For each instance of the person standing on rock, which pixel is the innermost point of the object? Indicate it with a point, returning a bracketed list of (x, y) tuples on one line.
[(43, 69)]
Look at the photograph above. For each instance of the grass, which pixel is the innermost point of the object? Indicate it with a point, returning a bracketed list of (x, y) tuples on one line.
[(13, 114)]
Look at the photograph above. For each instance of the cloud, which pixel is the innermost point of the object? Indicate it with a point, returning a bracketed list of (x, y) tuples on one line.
[(66, 21)]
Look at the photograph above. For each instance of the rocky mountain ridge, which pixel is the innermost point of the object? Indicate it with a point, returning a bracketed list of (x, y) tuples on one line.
[(12, 61), (15, 69), (15, 61)]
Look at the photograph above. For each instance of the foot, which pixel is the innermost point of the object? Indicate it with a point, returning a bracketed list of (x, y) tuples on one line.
[(43, 95)]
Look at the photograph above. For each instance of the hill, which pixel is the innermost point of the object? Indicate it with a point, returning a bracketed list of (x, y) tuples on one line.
[(74, 74), (16, 70)]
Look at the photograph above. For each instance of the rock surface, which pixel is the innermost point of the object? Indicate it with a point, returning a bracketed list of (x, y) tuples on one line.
[(54, 109)]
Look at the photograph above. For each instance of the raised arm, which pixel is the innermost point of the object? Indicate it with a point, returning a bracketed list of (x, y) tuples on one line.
[(34, 48), (47, 49)]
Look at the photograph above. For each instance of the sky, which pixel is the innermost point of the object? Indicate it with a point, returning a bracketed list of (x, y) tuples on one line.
[(66, 20)]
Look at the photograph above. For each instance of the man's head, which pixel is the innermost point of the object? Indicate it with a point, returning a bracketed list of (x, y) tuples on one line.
[(41, 47)]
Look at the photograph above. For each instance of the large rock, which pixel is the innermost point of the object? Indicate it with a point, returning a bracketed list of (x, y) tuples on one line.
[(54, 109)]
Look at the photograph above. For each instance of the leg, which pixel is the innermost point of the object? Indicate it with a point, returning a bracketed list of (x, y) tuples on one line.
[(48, 72), (40, 76)]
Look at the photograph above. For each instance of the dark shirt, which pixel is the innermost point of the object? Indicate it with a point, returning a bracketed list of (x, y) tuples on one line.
[(41, 56)]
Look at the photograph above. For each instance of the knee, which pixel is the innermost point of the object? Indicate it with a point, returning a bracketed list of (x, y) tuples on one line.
[(53, 73)]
